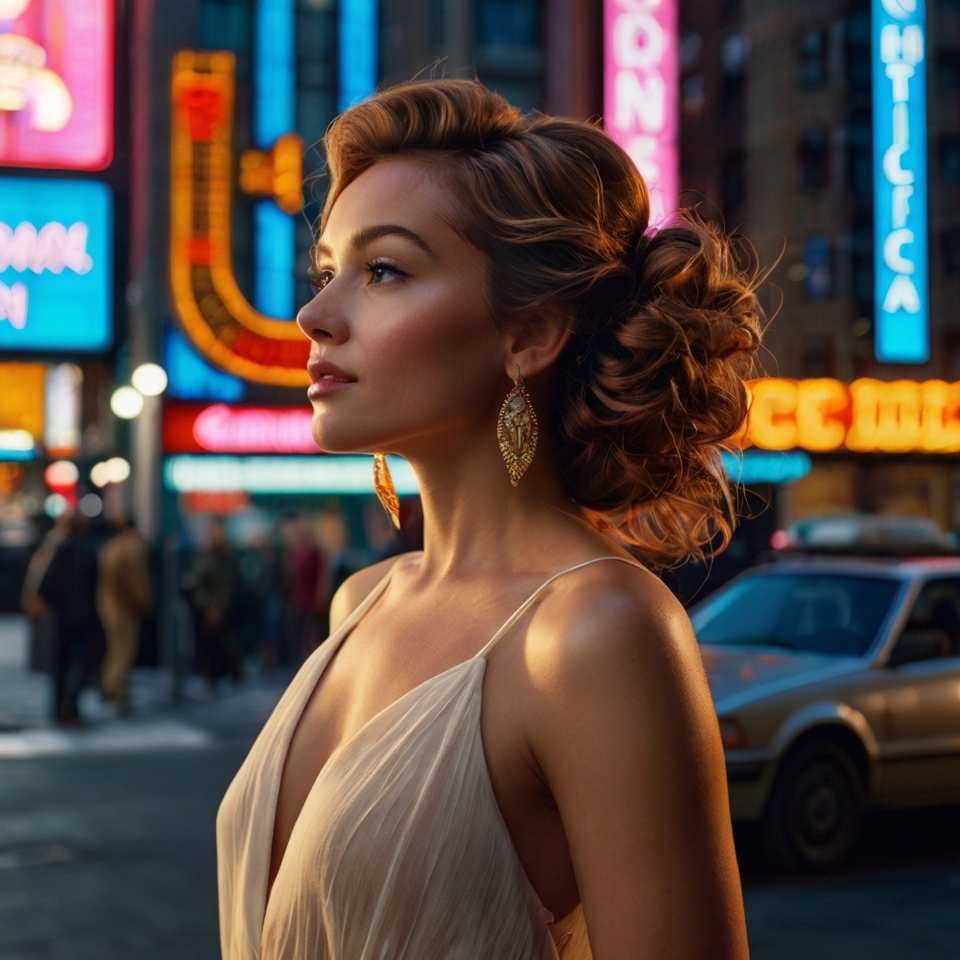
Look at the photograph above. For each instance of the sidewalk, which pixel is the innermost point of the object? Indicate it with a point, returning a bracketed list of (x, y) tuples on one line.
[(198, 721)]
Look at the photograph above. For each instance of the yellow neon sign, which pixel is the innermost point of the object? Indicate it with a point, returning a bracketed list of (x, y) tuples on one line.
[(875, 416), (216, 316)]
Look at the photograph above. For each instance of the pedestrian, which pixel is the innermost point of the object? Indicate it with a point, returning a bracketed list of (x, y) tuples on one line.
[(211, 587), (507, 747), (308, 573), (69, 588), (43, 624), (123, 600)]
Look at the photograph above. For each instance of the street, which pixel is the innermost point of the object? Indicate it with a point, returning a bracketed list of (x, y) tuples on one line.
[(107, 847)]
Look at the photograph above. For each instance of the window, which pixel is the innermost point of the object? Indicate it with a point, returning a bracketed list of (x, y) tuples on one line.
[(818, 260), (948, 72), (509, 23), (732, 182), (949, 156), (814, 613), (950, 251), (933, 630), (812, 50), (814, 159)]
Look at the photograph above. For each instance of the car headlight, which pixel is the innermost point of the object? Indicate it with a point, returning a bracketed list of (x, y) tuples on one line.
[(731, 736)]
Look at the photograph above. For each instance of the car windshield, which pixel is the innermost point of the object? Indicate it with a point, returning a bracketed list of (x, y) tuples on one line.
[(815, 613)]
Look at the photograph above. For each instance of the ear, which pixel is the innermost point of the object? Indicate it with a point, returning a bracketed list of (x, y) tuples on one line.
[(536, 338)]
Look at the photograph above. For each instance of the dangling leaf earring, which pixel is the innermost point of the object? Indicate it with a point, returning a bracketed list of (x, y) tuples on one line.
[(517, 430), (386, 492)]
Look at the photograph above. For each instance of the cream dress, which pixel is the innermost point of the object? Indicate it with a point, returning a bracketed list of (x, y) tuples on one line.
[(400, 851)]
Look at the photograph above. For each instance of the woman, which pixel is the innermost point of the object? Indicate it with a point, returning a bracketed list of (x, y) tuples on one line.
[(432, 787)]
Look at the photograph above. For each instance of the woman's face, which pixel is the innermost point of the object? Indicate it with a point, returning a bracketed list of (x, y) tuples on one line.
[(404, 352)]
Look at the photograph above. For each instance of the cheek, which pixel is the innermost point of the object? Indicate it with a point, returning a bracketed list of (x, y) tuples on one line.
[(444, 348)]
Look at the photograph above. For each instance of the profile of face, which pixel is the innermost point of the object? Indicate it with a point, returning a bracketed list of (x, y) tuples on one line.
[(405, 354)]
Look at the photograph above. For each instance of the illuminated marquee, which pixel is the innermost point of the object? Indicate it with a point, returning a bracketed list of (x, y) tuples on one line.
[(900, 181), (223, 428), (869, 416), (56, 265), (56, 83), (216, 316), (640, 92)]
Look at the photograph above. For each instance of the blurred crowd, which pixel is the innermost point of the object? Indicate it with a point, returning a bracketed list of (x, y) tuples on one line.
[(212, 600)]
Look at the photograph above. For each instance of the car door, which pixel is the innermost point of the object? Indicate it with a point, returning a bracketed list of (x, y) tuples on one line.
[(921, 750)]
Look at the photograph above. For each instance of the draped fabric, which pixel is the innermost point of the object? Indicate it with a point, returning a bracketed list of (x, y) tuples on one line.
[(400, 851)]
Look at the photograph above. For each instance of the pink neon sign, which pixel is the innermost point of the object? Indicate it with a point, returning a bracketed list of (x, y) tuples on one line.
[(641, 93), (56, 83), (223, 429)]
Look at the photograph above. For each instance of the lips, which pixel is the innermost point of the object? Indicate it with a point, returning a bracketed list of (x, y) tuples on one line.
[(325, 370), (326, 378)]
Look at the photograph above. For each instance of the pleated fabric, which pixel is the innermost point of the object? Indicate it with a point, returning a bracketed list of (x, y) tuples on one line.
[(400, 851)]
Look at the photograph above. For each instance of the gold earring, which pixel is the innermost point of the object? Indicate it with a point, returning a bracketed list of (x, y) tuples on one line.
[(386, 492), (517, 430)]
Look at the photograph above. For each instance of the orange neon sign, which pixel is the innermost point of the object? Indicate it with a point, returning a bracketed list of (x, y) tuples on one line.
[(902, 416), (216, 316)]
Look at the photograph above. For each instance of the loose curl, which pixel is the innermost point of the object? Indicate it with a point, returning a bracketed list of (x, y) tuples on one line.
[(665, 325)]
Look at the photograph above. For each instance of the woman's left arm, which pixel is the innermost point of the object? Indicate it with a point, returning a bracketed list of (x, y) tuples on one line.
[(628, 742)]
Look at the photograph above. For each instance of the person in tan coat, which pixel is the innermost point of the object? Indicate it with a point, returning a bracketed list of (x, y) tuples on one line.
[(123, 600)]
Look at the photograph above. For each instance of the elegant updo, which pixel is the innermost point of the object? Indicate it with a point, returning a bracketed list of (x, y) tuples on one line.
[(665, 324)]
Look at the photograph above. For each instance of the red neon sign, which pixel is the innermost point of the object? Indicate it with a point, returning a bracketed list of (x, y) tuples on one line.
[(220, 428), (56, 83)]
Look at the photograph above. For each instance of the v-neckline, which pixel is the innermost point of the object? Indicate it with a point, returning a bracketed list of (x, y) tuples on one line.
[(310, 685)]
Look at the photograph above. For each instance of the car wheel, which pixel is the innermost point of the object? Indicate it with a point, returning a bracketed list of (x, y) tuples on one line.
[(814, 812)]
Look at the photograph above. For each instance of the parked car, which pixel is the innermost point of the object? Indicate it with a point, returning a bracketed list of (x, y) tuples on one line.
[(837, 687)]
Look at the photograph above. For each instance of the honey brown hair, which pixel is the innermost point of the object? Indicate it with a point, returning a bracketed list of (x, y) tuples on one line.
[(665, 324)]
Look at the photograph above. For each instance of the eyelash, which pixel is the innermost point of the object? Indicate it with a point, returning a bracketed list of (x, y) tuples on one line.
[(318, 278)]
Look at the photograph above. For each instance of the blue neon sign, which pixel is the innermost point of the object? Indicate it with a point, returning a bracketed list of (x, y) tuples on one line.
[(900, 181), (274, 114), (56, 265), (358, 52)]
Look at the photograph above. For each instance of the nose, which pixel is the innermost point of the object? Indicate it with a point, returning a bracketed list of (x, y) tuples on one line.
[(320, 321)]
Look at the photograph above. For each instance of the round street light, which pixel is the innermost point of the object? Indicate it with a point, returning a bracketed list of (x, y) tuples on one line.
[(126, 403), (150, 379)]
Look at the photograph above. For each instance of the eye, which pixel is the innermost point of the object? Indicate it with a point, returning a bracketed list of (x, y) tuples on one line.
[(318, 278), (383, 272)]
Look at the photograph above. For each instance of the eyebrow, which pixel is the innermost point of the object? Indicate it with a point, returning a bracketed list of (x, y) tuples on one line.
[(367, 235)]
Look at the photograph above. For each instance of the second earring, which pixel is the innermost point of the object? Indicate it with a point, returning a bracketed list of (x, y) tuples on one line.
[(517, 430)]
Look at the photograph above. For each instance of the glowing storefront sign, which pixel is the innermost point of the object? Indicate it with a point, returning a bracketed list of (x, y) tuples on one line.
[(220, 321), (56, 83), (358, 51), (903, 416), (323, 474), (766, 466), (900, 181), (56, 265), (221, 428), (641, 91)]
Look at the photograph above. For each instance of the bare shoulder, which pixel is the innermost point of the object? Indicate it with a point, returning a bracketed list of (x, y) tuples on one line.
[(355, 589), (607, 619)]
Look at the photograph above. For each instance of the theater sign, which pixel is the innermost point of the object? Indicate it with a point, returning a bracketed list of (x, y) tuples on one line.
[(900, 181), (866, 416), (56, 265), (640, 101), (56, 83)]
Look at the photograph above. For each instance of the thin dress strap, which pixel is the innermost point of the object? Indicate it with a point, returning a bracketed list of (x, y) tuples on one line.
[(532, 599)]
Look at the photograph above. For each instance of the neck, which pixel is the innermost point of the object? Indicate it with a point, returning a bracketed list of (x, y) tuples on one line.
[(476, 521)]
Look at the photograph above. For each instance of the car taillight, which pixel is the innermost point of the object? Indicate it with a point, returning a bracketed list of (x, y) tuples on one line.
[(731, 736)]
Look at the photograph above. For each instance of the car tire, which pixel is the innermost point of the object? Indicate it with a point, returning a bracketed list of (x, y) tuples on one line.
[(813, 816)]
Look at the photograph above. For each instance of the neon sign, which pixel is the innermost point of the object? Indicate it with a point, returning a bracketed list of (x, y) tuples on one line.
[(56, 267), (56, 83), (220, 428), (900, 181), (327, 474), (220, 321), (902, 416), (640, 93)]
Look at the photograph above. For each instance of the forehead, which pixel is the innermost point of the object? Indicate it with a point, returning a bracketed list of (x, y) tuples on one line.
[(400, 191)]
